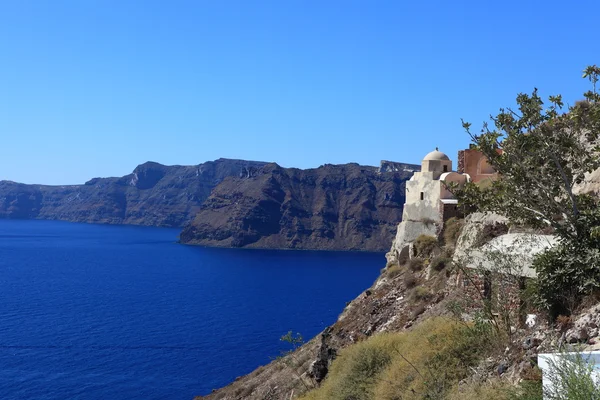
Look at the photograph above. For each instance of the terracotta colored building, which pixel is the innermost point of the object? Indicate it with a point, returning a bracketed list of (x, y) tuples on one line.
[(472, 162)]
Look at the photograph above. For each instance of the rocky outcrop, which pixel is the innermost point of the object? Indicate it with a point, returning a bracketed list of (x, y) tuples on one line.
[(478, 229), (486, 242), (408, 231), (333, 207), (392, 166), (153, 194), (591, 184), (586, 328)]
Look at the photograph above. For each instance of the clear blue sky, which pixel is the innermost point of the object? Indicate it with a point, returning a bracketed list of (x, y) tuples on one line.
[(94, 87)]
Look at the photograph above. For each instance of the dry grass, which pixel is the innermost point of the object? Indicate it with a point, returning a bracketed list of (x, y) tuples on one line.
[(393, 271), (425, 245), (423, 363), (452, 229), (421, 293), (495, 389)]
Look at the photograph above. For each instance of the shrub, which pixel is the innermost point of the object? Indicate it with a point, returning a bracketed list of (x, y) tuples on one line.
[(440, 358), (410, 280), (420, 364), (416, 264), (527, 390), (421, 293), (452, 229), (571, 377), (439, 263), (354, 373), (393, 271), (496, 389), (405, 365), (566, 274), (424, 245)]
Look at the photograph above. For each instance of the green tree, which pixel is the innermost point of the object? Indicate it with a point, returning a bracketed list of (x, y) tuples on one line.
[(543, 153), (571, 376)]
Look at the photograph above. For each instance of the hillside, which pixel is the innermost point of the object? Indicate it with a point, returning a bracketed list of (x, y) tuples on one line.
[(333, 207), (153, 194), (417, 317)]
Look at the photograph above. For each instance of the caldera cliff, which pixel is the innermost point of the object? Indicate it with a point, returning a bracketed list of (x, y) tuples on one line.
[(333, 207), (153, 194), (234, 203)]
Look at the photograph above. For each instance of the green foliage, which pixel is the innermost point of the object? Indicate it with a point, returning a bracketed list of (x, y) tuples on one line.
[(421, 293), (393, 271), (439, 263), (290, 359), (571, 377), (542, 154), (481, 391), (565, 274), (592, 72), (424, 245), (452, 228), (498, 390), (295, 340), (354, 373), (527, 390)]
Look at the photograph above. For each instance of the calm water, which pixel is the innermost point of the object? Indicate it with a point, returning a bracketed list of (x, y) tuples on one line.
[(120, 312)]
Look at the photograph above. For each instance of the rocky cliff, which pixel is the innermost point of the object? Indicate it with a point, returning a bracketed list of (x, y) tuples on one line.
[(333, 207), (153, 194), (234, 203), (405, 297)]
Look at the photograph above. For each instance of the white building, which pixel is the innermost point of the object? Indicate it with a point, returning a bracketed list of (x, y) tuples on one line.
[(427, 197), (428, 202)]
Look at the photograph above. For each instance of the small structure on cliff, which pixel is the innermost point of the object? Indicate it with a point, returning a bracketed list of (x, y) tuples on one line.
[(428, 201), (427, 196)]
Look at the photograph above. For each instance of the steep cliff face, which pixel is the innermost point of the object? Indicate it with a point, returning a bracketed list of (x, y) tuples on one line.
[(403, 298), (344, 207), (389, 305), (234, 203), (153, 194)]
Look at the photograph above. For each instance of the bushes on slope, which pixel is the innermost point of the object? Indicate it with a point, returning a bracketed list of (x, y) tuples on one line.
[(422, 363)]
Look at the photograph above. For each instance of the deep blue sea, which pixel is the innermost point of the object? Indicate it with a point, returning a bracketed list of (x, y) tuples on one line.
[(123, 312)]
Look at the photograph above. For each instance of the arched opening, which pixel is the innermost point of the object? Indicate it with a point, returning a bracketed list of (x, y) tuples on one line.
[(484, 168), (422, 196)]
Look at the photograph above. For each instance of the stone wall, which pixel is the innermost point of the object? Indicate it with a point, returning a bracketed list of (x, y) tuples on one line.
[(503, 292)]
